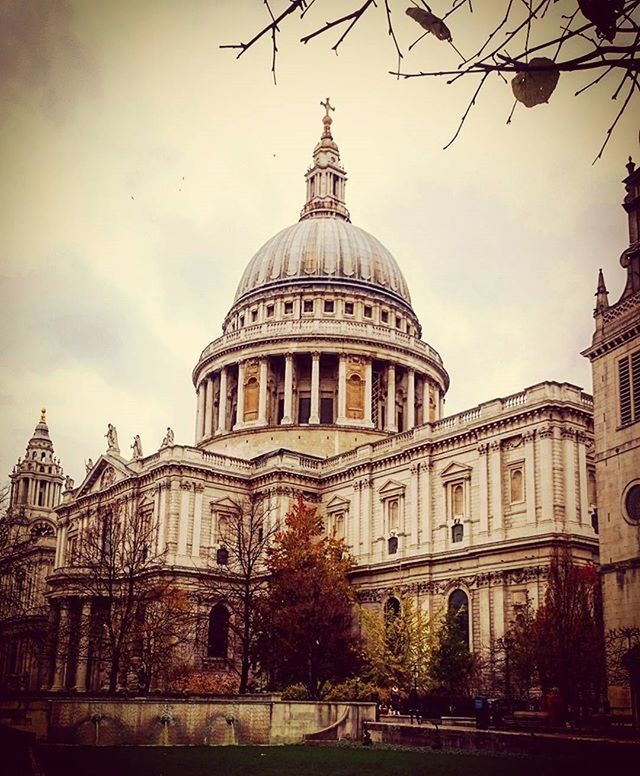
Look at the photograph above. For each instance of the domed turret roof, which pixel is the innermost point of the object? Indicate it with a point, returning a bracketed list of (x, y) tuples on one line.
[(324, 249)]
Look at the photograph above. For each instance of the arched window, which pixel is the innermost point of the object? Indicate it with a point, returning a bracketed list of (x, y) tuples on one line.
[(457, 532), (222, 556), (391, 609), (218, 637), (459, 606), (517, 490), (355, 397), (393, 545), (457, 497), (251, 389), (393, 515)]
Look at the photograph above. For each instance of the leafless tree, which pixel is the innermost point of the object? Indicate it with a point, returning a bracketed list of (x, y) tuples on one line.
[(623, 663), (237, 573), (549, 37), (114, 560)]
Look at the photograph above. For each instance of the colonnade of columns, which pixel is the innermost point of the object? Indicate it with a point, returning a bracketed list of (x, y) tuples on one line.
[(28, 492), (240, 396), (71, 646)]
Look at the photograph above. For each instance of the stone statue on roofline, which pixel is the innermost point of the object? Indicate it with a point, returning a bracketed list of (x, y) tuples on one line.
[(136, 447), (88, 465), (112, 440), (168, 438)]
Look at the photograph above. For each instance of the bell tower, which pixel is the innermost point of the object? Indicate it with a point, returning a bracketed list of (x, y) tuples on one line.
[(615, 363)]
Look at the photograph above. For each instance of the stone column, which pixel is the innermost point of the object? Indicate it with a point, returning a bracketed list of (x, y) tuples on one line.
[(314, 417), (200, 414), (240, 405), (495, 462), (411, 399), (529, 476), (262, 397), (368, 391), (483, 486), (61, 648), (545, 463), (197, 520), (583, 474), (162, 517), (222, 402), (287, 419), (568, 443), (208, 406), (414, 495), (83, 647), (342, 389), (391, 424), (183, 519), (426, 500), (353, 516)]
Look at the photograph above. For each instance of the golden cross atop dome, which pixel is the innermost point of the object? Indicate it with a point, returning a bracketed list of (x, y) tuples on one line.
[(327, 106)]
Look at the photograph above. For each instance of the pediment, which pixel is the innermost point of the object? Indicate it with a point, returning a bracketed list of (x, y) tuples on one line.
[(106, 471), (456, 470), (225, 505), (392, 488), (338, 504)]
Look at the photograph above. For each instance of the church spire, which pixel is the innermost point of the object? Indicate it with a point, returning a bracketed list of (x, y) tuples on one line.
[(326, 177), (602, 300)]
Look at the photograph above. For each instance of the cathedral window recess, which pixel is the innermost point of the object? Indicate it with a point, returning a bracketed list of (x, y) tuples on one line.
[(270, 310), (329, 305), (384, 316), (222, 556), (348, 308), (307, 306), (288, 308), (392, 496), (516, 484), (629, 388), (337, 515), (368, 311), (218, 635), (459, 607), (254, 316), (457, 532)]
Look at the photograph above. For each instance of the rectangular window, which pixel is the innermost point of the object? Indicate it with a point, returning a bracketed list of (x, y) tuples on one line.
[(629, 388), (328, 305), (348, 308), (307, 306), (288, 308), (254, 316), (270, 310), (326, 410), (241, 321), (384, 316), (304, 409), (368, 311), (398, 322), (516, 485)]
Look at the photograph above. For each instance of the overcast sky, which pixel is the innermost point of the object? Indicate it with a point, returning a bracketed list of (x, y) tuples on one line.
[(143, 166)]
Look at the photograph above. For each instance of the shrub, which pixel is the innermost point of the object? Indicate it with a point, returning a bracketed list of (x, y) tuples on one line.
[(295, 692)]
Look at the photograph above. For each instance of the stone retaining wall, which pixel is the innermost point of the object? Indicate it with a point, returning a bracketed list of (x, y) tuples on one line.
[(215, 722)]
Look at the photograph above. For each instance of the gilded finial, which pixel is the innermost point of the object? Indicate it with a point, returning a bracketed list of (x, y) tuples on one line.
[(43, 415), (326, 119)]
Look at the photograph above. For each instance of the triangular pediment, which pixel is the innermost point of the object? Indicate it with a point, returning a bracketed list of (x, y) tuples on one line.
[(338, 504), (225, 505), (392, 488), (106, 471), (456, 470)]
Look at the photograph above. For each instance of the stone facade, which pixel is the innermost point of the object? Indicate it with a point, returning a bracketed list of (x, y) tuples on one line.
[(615, 359), (321, 385)]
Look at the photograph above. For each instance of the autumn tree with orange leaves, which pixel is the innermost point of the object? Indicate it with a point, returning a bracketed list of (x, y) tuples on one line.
[(307, 616)]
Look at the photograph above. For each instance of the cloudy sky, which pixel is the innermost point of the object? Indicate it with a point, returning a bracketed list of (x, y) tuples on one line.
[(143, 166)]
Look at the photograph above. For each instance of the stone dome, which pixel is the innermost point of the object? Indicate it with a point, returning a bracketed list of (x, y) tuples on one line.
[(324, 249)]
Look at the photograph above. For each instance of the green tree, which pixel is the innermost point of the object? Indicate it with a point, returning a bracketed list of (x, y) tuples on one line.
[(307, 615), (397, 646), (451, 665)]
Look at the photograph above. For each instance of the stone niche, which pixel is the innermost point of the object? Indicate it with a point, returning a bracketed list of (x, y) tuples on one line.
[(355, 388), (251, 391)]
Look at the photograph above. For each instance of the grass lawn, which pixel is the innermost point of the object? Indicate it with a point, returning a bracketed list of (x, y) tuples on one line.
[(306, 761)]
